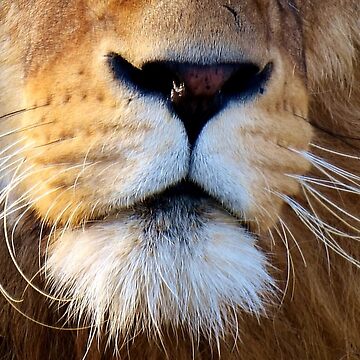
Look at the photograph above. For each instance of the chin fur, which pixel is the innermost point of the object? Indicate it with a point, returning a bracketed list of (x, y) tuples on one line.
[(140, 271)]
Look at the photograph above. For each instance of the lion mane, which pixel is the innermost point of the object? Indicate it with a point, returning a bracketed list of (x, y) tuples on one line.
[(179, 179)]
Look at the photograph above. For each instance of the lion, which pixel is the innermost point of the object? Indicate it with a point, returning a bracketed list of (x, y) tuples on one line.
[(179, 179)]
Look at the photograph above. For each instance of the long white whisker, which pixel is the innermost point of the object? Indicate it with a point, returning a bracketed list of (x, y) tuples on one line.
[(27, 207), (283, 224), (24, 195), (26, 128), (53, 230), (69, 220), (290, 263), (12, 303), (318, 227), (309, 220), (9, 247), (320, 234), (330, 184), (45, 219), (7, 157), (335, 169), (8, 166), (336, 152), (323, 224), (321, 198), (8, 296), (322, 164), (84, 166)]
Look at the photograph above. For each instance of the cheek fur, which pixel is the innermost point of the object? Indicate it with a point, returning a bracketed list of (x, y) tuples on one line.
[(142, 150), (246, 156)]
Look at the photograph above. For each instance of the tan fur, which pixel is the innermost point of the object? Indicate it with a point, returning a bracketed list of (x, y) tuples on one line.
[(86, 144)]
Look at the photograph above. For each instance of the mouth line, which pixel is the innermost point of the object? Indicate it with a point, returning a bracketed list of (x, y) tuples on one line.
[(185, 188), (185, 196)]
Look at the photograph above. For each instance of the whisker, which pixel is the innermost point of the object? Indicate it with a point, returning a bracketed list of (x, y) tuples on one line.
[(93, 208), (356, 238), (49, 296), (289, 261), (26, 128), (335, 152), (324, 236), (317, 227), (18, 180), (8, 157), (68, 222), (326, 247), (10, 247), (10, 167), (326, 226), (21, 111), (85, 166), (28, 207), (330, 184), (327, 239), (45, 219), (8, 296), (315, 160), (54, 142), (320, 164), (283, 224), (7, 148), (53, 230), (9, 299), (318, 195)]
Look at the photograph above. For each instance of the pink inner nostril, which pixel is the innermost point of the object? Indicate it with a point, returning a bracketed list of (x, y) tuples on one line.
[(205, 81)]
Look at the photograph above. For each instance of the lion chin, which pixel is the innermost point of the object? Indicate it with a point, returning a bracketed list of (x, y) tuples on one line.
[(179, 179), (179, 262)]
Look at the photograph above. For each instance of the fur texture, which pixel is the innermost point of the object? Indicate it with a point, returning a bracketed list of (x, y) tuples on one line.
[(120, 240)]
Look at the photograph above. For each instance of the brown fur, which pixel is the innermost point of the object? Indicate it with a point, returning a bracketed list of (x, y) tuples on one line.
[(318, 317)]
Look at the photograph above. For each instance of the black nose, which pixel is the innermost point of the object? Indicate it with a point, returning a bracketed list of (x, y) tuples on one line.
[(196, 92)]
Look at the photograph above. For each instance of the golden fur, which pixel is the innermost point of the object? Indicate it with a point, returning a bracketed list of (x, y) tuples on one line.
[(81, 152)]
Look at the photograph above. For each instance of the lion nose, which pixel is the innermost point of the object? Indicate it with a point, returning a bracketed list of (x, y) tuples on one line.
[(200, 92), (196, 92), (197, 96), (203, 81)]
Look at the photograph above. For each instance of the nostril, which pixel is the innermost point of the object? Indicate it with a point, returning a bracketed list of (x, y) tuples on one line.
[(239, 80), (247, 81), (204, 90), (204, 80), (152, 77), (196, 92)]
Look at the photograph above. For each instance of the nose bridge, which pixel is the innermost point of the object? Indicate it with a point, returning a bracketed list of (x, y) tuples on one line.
[(223, 33)]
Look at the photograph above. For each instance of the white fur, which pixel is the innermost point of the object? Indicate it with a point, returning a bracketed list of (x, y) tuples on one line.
[(112, 271), (160, 159), (221, 165)]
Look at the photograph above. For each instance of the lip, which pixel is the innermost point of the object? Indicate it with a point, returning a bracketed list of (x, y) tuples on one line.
[(185, 198)]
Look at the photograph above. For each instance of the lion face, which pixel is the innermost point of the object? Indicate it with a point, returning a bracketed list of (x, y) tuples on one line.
[(158, 142)]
